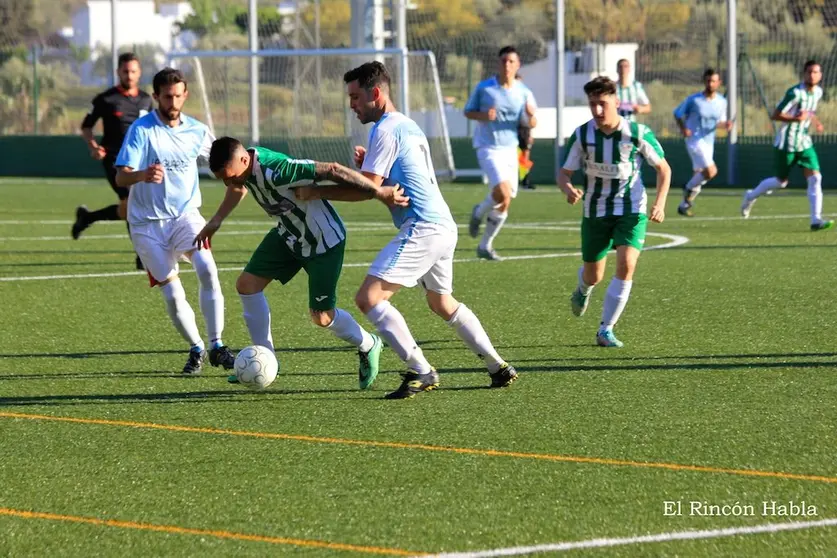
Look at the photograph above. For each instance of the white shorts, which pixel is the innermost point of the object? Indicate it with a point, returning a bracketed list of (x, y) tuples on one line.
[(500, 164), (702, 153), (161, 243), (421, 253)]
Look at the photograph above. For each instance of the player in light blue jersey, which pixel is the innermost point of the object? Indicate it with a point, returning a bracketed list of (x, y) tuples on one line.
[(159, 163), (498, 104), (698, 117), (422, 251)]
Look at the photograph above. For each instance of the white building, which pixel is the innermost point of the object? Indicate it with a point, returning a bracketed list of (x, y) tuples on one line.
[(138, 23)]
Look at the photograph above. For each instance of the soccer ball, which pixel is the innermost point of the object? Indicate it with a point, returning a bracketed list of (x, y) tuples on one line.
[(256, 367)]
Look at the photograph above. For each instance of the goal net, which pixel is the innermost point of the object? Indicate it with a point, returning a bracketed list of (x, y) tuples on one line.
[(303, 108)]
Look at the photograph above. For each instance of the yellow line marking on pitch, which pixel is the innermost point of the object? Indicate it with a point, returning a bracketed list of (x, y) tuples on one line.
[(427, 447), (205, 532)]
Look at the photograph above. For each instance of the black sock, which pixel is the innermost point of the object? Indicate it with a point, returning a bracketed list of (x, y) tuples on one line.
[(109, 213)]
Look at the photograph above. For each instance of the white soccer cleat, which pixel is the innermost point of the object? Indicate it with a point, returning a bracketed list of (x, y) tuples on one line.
[(747, 204)]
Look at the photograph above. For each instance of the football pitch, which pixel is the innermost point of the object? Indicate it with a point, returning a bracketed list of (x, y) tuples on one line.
[(723, 398)]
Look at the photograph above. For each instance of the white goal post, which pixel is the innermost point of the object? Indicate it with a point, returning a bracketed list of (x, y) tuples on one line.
[(302, 104)]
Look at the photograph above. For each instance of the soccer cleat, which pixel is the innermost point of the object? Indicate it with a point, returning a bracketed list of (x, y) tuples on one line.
[(369, 364), (747, 204), (822, 226), (81, 221), (490, 255), (194, 365), (222, 356), (474, 223), (579, 302), (232, 379), (605, 338), (504, 376), (685, 210), (414, 383)]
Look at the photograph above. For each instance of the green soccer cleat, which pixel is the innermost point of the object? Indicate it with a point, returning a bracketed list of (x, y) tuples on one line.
[(415, 383), (369, 364), (233, 379), (822, 226), (605, 338), (579, 302)]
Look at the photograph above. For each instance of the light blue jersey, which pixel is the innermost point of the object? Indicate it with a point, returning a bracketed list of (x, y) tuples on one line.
[(398, 151), (510, 105), (702, 114), (150, 141)]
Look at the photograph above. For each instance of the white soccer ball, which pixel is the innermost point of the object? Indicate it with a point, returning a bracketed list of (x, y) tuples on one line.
[(256, 367)]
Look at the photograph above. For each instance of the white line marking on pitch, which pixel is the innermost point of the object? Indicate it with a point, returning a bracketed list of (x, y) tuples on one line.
[(673, 241), (643, 539)]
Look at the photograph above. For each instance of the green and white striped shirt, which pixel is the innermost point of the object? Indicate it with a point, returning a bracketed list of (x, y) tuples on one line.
[(308, 227), (793, 136), (633, 94), (612, 163)]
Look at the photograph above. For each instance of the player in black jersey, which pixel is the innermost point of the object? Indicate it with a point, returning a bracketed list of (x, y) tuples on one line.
[(118, 107)]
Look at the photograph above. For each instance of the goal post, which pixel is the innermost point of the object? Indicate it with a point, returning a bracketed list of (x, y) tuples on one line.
[(303, 106)]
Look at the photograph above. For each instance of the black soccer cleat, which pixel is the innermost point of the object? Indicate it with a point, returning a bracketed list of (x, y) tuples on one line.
[(81, 221), (222, 356), (194, 365), (504, 377), (414, 383)]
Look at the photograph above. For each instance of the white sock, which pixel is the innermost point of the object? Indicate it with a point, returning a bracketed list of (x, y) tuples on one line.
[(486, 205), (393, 328), (211, 298), (181, 314), (694, 185), (815, 197), (344, 327), (257, 318), (582, 286), (493, 224), (470, 330), (765, 186), (615, 300)]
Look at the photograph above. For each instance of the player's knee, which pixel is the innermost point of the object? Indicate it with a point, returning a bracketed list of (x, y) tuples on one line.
[(322, 318), (442, 305), (364, 301), (246, 285), (710, 172)]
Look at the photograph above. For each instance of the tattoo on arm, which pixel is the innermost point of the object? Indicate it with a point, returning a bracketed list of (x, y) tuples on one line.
[(344, 176)]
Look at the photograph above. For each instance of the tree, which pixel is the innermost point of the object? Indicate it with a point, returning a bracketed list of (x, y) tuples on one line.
[(335, 22), (211, 16)]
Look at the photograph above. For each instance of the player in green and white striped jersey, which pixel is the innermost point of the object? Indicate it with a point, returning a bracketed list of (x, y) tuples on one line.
[(309, 235), (793, 145), (631, 94), (611, 151)]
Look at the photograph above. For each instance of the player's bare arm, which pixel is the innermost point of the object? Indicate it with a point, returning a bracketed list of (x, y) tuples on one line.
[(488, 116), (818, 126), (350, 186), (127, 177), (232, 197), (780, 116), (642, 109), (573, 194), (97, 152), (658, 210)]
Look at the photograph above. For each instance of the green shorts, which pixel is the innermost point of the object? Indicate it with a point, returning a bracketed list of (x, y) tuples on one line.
[(274, 260), (600, 234), (784, 161)]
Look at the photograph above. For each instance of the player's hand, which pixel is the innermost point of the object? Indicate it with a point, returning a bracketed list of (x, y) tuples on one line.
[(97, 153), (393, 196), (154, 173), (359, 155), (658, 214), (574, 195), (306, 193), (491, 115), (203, 238), (687, 133), (729, 125), (819, 127)]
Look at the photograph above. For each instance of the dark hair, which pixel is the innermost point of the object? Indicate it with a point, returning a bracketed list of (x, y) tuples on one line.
[(601, 85), (507, 50), (810, 63), (222, 152), (126, 57), (168, 76), (619, 62), (709, 72), (369, 75)]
